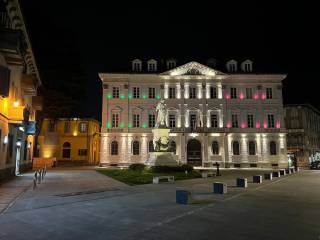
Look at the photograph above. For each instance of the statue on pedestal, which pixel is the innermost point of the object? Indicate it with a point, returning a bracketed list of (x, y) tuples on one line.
[(161, 110)]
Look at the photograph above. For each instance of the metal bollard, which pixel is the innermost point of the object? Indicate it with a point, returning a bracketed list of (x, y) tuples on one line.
[(39, 177), (34, 183)]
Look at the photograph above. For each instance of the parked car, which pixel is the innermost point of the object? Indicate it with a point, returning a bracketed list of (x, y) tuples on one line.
[(315, 165)]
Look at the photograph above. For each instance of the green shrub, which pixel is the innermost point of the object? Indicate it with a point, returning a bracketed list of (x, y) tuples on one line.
[(137, 167), (165, 169)]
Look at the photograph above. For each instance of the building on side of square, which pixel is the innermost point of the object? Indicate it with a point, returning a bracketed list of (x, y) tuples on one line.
[(19, 100), (234, 118), (72, 141), (303, 132)]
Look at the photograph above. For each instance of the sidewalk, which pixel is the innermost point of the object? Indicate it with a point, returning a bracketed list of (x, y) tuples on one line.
[(11, 190)]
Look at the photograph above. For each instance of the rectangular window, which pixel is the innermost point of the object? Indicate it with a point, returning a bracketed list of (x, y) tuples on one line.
[(83, 127), (51, 126), (152, 120), (234, 120), (152, 92), (67, 127), (213, 92), (82, 152), (250, 120), (233, 93), (136, 92), (136, 120), (270, 121), (192, 92), (214, 120), (172, 92), (249, 93), (115, 120), (269, 93), (172, 121), (115, 92), (193, 121)]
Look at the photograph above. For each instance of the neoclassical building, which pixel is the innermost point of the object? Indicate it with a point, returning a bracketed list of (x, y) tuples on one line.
[(233, 117)]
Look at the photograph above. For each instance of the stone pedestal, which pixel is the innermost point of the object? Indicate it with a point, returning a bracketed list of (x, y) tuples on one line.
[(161, 156), (162, 159)]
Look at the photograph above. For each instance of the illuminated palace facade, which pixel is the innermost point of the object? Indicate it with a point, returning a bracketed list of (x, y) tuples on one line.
[(234, 117)]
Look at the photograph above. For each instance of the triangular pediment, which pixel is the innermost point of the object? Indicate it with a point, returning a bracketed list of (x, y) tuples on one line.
[(192, 68)]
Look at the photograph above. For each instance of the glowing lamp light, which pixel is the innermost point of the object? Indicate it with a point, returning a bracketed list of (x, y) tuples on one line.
[(130, 125), (144, 97), (258, 125), (29, 145), (21, 129), (263, 96), (122, 97), (144, 125), (19, 144), (158, 97), (130, 96), (243, 125), (16, 103), (227, 96), (109, 96), (121, 125), (265, 125), (108, 125), (256, 96), (228, 125), (75, 133), (5, 139), (241, 95), (278, 125)]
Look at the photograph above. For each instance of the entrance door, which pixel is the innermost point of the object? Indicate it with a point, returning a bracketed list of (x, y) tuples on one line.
[(194, 153)]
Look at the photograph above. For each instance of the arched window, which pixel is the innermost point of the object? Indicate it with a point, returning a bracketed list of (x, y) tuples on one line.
[(252, 148), (150, 146), (114, 148), (135, 148), (273, 148), (215, 148), (236, 148), (173, 146), (66, 150)]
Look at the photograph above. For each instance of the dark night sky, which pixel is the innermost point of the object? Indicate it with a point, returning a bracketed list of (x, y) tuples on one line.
[(86, 37)]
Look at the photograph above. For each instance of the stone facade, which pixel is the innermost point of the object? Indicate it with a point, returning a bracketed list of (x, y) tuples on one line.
[(303, 138), (232, 118)]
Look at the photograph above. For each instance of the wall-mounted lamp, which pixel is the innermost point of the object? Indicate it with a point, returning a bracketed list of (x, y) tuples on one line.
[(5, 139)]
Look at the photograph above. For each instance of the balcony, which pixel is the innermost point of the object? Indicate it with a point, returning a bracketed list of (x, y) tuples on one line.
[(37, 103), (28, 84)]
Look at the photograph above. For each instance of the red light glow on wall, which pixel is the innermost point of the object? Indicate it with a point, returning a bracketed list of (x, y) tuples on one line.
[(258, 125), (241, 95), (278, 125), (263, 96), (227, 96), (265, 125), (228, 125), (243, 125), (256, 96)]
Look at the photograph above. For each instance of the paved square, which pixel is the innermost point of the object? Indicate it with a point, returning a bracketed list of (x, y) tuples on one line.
[(83, 204)]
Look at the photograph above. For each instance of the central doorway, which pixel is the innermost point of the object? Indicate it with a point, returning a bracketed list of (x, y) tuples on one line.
[(194, 156)]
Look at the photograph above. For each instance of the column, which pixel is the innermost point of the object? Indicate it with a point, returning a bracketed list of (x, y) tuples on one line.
[(219, 89), (178, 90)]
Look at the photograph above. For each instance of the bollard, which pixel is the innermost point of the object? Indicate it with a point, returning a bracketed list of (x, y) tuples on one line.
[(268, 176), (39, 176), (257, 179), (34, 183), (282, 172), (220, 188), (183, 196), (242, 182), (276, 174)]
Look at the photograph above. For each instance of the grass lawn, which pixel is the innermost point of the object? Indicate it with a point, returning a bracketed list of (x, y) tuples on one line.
[(131, 177)]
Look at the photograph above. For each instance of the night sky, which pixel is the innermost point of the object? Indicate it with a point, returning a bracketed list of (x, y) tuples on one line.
[(74, 40)]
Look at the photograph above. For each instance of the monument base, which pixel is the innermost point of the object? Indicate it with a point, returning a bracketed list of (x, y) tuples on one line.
[(162, 159)]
